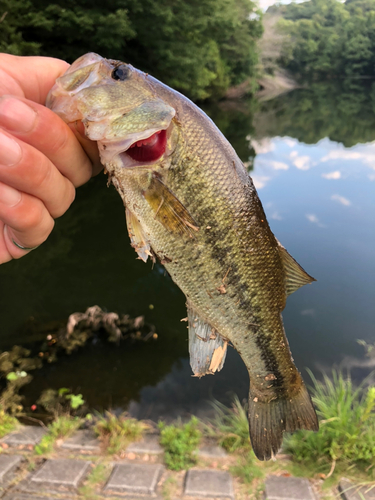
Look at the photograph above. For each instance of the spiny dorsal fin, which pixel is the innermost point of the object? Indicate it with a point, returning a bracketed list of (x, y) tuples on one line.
[(295, 275), (138, 239), (168, 210), (206, 347)]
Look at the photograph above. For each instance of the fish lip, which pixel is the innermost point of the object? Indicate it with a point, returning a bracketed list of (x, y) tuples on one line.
[(110, 151)]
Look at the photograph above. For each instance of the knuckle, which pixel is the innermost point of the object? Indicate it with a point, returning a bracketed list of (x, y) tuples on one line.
[(33, 217), (59, 139)]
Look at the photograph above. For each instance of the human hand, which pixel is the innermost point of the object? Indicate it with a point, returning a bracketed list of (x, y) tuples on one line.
[(42, 159)]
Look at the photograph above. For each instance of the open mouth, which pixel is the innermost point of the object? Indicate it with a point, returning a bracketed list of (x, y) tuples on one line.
[(150, 149)]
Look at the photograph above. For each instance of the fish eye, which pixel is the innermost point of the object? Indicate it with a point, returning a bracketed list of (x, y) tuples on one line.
[(121, 73)]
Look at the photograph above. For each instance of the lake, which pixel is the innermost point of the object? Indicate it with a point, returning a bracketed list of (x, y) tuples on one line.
[(311, 154)]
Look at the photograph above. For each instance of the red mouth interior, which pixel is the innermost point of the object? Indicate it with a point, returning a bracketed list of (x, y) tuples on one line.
[(150, 149)]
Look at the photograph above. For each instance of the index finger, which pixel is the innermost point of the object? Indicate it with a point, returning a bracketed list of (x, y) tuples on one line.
[(33, 75)]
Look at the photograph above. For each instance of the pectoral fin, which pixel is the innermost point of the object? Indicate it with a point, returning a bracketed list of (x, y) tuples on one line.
[(168, 210), (138, 239), (295, 275), (207, 348)]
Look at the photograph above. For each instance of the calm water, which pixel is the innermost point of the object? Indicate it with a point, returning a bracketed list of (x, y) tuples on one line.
[(313, 158)]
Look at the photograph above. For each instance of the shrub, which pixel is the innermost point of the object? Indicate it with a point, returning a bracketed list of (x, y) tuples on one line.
[(347, 425), (230, 426), (180, 442), (118, 431)]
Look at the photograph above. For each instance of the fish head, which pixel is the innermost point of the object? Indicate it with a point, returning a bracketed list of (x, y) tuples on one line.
[(119, 109)]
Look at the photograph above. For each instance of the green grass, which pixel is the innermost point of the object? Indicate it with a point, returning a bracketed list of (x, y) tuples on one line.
[(96, 479), (230, 426), (62, 427), (7, 423), (346, 439), (180, 442), (118, 432)]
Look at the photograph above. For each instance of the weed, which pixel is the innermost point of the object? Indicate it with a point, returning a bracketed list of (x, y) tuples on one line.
[(180, 442), (169, 488), (230, 426), (347, 426), (118, 432), (247, 469), (96, 479), (7, 423), (60, 402), (62, 427)]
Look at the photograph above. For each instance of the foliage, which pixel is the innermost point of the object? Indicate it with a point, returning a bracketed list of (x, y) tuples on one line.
[(61, 401), (329, 38), (344, 112), (230, 426), (7, 423), (14, 365), (247, 468), (118, 431), (198, 46), (347, 425), (62, 427), (180, 442)]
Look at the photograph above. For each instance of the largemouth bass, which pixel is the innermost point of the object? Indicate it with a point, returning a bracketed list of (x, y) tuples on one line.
[(191, 204)]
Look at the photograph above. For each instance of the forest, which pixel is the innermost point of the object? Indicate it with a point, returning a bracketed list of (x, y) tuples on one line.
[(328, 38), (200, 47)]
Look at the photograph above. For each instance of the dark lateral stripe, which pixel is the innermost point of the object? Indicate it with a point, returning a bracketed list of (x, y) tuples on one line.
[(269, 360)]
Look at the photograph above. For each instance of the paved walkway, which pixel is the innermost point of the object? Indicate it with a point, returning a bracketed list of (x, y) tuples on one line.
[(78, 470)]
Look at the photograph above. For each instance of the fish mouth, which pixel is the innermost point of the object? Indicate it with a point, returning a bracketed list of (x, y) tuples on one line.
[(138, 149), (150, 149)]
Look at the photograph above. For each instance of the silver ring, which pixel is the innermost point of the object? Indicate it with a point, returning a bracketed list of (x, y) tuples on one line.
[(23, 248)]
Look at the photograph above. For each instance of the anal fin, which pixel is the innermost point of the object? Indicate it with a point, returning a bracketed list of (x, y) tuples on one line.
[(138, 239), (206, 347)]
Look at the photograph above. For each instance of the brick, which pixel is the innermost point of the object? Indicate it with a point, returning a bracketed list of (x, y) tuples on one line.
[(8, 463), (350, 491), (208, 483), (25, 435), (55, 473), (83, 440), (149, 444), (288, 488), (134, 478)]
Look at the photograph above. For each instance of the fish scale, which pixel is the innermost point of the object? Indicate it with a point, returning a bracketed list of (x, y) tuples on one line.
[(197, 210)]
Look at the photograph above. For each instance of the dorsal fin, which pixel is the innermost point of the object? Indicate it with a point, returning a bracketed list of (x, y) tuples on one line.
[(206, 347), (295, 275)]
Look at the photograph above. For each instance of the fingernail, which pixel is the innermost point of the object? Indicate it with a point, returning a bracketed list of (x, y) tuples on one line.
[(10, 150), (9, 196), (15, 115)]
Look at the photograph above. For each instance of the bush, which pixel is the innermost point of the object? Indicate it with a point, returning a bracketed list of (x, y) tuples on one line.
[(347, 425), (180, 442), (62, 427), (230, 426), (118, 432)]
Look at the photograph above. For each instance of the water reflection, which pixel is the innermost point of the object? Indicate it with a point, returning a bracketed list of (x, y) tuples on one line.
[(316, 183)]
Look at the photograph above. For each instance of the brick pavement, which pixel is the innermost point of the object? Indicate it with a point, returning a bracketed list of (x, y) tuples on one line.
[(140, 475)]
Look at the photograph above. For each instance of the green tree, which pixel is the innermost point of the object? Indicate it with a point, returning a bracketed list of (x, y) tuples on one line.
[(328, 38), (200, 47)]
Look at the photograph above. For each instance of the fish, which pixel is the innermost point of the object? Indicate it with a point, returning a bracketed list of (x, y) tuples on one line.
[(191, 204)]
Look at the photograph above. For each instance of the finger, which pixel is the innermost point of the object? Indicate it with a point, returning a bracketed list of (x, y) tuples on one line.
[(90, 147), (24, 223), (44, 130), (28, 170), (34, 76)]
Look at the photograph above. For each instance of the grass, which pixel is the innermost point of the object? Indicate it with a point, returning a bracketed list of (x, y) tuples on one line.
[(95, 480), (180, 442), (230, 426), (118, 431), (7, 423), (346, 439), (62, 427)]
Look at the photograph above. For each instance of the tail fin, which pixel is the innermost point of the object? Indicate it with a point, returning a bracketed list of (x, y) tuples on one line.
[(268, 421)]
